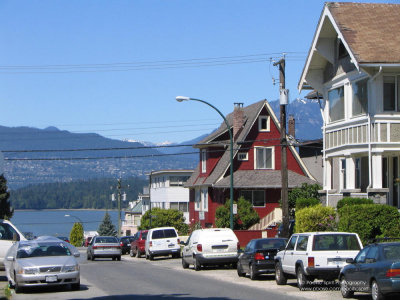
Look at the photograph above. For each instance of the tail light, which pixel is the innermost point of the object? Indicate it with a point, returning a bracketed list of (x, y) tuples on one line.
[(311, 262), (199, 247), (94, 247), (393, 273), (150, 244), (238, 245), (259, 256), (121, 244)]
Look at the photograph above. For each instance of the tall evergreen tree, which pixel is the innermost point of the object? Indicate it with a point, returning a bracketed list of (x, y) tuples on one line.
[(6, 211), (107, 227), (76, 235)]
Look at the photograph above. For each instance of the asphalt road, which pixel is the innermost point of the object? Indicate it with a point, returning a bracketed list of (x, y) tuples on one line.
[(162, 278)]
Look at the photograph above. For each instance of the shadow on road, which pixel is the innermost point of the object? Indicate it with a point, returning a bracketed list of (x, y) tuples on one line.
[(154, 297)]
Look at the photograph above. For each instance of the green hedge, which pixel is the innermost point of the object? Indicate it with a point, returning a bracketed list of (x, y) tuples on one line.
[(353, 201), (315, 218), (370, 220), (306, 202)]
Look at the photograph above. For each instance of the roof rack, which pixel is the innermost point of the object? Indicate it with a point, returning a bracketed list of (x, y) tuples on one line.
[(382, 239)]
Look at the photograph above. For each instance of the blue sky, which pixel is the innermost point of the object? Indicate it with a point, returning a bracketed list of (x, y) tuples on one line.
[(115, 67)]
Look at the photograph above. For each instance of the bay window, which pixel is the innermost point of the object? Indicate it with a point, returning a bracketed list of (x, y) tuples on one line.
[(336, 104)]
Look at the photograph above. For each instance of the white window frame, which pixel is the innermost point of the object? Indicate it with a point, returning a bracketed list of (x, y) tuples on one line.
[(344, 103), (197, 199), (260, 120), (343, 174), (204, 198), (252, 197), (396, 92), (243, 156), (203, 161), (272, 158), (353, 114)]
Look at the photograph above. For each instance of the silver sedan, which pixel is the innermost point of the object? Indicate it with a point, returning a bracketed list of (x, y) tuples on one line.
[(104, 246), (44, 262)]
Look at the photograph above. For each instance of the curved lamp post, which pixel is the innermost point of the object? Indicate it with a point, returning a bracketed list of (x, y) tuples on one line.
[(183, 98), (79, 220)]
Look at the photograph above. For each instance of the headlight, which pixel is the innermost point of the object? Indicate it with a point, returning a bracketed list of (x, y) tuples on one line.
[(30, 271), (72, 268)]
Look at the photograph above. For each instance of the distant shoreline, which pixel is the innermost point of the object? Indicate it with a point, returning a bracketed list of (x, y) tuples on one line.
[(59, 209)]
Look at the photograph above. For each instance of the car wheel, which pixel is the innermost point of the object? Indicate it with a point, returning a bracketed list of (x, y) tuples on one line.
[(17, 288), (240, 270), (197, 265), (301, 278), (151, 257), (280, 277), (87, 256), (76, 286), (131, 253), (137, 253), (118, 258), (376, 291), (185, 265), (147, 257), (345, 288), (253, 274), (92, 257)]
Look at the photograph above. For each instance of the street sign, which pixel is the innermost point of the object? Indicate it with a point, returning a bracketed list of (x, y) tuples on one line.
[(235, 209)]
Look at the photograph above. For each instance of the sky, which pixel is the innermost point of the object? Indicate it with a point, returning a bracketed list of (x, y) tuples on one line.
[(115, 67)]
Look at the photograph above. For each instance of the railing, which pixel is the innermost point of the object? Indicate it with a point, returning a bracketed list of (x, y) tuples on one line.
[(274, 216)]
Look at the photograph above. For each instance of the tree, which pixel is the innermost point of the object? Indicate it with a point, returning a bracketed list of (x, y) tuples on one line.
[(6, 211), (245, 218), (164, 218), (107, 227), (76, 235), (305, 191)]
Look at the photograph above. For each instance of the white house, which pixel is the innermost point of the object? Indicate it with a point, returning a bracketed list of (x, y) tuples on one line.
[(354, 65), (167, 190)]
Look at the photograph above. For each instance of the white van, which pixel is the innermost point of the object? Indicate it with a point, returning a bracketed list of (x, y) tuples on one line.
[(162, 241), (210, 247), (9, 234)]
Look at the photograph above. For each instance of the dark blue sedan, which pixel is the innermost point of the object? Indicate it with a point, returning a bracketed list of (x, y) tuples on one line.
[(375, 270)]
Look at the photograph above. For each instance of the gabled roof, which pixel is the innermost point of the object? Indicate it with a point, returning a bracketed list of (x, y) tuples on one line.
[(369, 32), (251, 114)]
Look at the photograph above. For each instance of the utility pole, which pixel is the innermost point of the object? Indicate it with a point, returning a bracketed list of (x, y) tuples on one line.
[(120, 197), (283, 142)]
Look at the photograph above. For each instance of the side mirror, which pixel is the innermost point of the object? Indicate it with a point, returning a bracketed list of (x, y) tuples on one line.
[(10, 258), (350, 260)]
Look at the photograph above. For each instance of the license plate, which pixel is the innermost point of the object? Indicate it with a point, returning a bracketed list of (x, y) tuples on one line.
[(51, 278), (171, 245)]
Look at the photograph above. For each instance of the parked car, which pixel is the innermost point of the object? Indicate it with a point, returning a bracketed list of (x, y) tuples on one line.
[(291, 229), (376, 269), (9, 234), (63, 238), (258, 257), (104, 246), (212, 246), (312, 255), (125, 243), (42, 262), (162, 241), (87, 241), (138, 243)]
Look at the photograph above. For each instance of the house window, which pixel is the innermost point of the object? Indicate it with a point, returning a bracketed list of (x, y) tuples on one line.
[(181, 206), (243, 156), (391, 92), (197, 199), (263, 123), (204, 199), (203, 161), (343, 173), (360, 97), (336, 104), (264, 158), (177, 180), (257, 198)]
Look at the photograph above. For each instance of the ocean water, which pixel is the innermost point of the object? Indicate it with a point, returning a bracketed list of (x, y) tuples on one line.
[(55, 223)]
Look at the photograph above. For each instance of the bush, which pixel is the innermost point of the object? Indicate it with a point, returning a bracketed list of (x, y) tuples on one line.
[(164, 218), (306, 202), (315, 218), (246, 215), (76, 235), (370, 220), (305, 191), (353, 201)]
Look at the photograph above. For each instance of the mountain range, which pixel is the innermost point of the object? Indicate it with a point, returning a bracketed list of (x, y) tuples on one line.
[(109, 157)]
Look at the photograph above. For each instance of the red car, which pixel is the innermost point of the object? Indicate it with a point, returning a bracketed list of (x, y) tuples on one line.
[(137, 245), (87, 241)]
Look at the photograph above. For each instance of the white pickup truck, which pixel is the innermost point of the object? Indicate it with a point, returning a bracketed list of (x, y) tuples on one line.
[(315, 255), (9, 234)]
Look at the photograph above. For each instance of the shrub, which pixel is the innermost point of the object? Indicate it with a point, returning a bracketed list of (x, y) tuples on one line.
[(245, 218), (370, 220), (353, 201), (306, 202), (76, 235), (165, 218), (315, 218), (305, 191)]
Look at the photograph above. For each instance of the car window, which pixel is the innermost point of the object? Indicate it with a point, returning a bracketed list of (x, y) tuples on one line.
[(40, 250), (270, 244), (169, 233), (106, 239), (372, 254), (292, 242), (391, 252), (6, 232), (144, 235), (248, 247), (302, 243), (335, 242), (360, 258)]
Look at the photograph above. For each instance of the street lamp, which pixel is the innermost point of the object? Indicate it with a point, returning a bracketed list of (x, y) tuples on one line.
[(183, 98), (79, 220)]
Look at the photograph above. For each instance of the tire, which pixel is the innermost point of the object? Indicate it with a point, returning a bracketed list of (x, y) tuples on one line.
[(87, 256), (301, 278), (118, 258), (280, 277), (253, 274), (147, 257), (137, 253), (344, 288), (76, 286), (131, 253), (92, 257), (376, 291), (185, 265), (17, 288), (197, 265), (151, 257), (240, 270)]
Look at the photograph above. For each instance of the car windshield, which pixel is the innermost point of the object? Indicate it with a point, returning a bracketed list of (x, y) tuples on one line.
[(335, 242), (42, 249), (163, 233), (391, 252), (106, 239), (270, 244)]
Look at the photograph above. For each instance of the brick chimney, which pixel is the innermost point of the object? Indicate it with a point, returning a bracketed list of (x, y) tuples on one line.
[(292, 126), (238, 119)]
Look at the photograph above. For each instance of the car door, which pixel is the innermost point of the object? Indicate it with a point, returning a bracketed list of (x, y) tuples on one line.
[(300, 251), (246, 256), (367, 269), (288, 262), (353, 273), (187, 250)]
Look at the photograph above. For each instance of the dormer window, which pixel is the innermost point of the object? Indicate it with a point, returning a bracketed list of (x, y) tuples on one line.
[(243, 156), (203, 161), (263, 123)]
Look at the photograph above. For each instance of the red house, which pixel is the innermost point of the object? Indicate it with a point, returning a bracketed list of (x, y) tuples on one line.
[(257, 176)]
